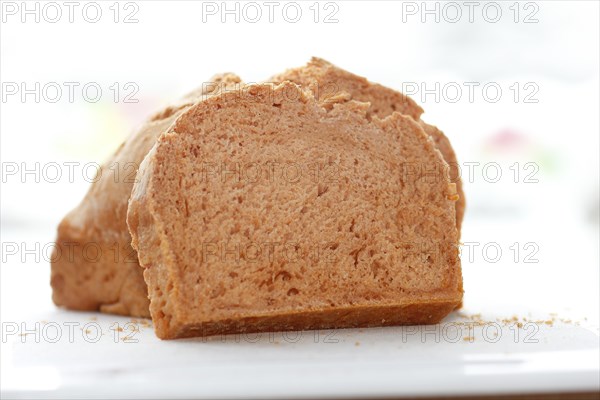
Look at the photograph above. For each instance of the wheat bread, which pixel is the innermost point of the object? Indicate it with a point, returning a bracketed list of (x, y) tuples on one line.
[(262, 210), (94, 266), (329, 82)]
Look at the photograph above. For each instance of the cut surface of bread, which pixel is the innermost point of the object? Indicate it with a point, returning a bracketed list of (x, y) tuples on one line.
[(262, 210), (329, 82), (94, 266)]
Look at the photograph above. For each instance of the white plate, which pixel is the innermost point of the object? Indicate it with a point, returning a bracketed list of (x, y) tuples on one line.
[(457, 357), (386, 361)]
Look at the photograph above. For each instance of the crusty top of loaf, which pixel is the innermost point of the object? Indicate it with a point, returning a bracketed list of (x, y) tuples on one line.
[(369, 229), (326, 80)]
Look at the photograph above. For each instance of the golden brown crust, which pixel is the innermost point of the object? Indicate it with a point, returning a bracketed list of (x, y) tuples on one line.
[(326, 80), (350, 317), (173, 212)]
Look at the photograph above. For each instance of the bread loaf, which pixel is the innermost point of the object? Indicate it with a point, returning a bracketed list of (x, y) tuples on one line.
[(263, 210), (93, 266)]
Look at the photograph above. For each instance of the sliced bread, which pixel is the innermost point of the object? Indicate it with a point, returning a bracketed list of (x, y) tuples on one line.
[(262, 210)]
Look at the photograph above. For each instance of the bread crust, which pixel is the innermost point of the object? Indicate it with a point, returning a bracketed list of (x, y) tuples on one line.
[(155, 214), (425, 313)]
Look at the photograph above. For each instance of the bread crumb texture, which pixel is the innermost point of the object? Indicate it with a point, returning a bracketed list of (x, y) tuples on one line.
[(330, 84), (262, 209)]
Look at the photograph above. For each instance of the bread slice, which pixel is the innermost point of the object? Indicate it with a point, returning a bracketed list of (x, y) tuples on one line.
[(261, 210), (329, 82), (93, 266)]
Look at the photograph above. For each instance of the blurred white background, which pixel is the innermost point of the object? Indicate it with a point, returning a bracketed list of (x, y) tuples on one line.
[(543, 55)]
